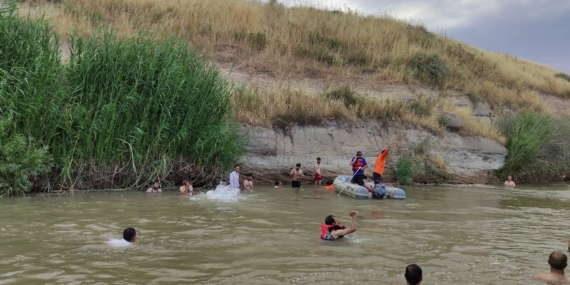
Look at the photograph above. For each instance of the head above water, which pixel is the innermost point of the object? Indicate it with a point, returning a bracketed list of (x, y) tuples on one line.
[(278, 183), (359, 153), (186, 181), (413, 274), (298, 165), (509, 178), (558, 260), (156, 185), (331, 220), (130, 235)]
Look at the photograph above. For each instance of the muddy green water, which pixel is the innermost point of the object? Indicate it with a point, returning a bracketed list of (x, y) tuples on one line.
[(458, 235)]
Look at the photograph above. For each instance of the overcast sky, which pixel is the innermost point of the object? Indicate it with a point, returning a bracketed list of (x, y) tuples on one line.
[(537, 30)]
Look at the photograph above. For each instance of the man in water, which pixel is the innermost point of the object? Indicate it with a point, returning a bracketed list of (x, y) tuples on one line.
[(379, 167), (278, 184), (332, 230), (509, 182), (358, 164), (224, 182), (413, 274), (318, 176), (155, 188), (248, 182), (186, 188), (129, 237), (296, 174), (234, 177), (558, 262)]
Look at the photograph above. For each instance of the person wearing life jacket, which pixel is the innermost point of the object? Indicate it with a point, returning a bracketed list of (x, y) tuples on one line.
[(332, 229), (358, 164)]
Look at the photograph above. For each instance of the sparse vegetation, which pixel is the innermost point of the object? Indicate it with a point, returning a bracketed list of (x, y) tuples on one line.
[(563, 76), (405, 170)]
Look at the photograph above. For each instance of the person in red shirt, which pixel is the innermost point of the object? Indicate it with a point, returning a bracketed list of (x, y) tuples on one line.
[(379, 167)]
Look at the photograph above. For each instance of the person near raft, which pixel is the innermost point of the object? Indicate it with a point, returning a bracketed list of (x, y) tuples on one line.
[(358, 164), (332, 229)]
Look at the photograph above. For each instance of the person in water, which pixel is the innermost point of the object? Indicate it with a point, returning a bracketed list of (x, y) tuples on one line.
[(358, 164), (234, 177), (129, 237), (296, 174), (318, 176), (278, 184), (155, 188), (248, 182), (224, 182), (509, 182), (379, 167), (186, 188), (332, 229), (413, 274), (558, 262)]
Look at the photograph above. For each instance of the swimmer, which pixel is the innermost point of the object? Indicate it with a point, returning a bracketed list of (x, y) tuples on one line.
[(558, 262), (278, 184), (413, 274), (129, 237), (509, 182), (186, 188), (154, 189), (248, 182), (332, 230)]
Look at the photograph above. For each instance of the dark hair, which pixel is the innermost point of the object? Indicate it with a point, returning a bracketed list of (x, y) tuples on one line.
[(277, 182), (318, 158), (329, 220), (558, 260), (249, 174), (413, 274), (298, 164), (236, 165), (224, 180), (383, 151), (129, 234)]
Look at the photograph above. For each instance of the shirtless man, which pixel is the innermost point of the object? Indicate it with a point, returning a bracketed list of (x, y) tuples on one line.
[(278, 184), (154, 189), (509, 182), (558, 262), (318, 177), (186, 188), (248, 183), (296, 174)]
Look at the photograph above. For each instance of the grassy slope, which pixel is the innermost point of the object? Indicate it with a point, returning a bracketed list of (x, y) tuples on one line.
[(334, 46)]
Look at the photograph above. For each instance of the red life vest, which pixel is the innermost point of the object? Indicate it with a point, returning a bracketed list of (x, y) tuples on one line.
[(357, 164), (326, 229)]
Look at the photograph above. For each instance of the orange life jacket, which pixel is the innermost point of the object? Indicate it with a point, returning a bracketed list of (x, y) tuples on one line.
[(326, 231)]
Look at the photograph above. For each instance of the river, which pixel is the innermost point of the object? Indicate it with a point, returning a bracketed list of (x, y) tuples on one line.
[(457, 234)]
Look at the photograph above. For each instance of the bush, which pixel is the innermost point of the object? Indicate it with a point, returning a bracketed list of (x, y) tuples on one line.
[(429, 69), (405, 171), (345, 95), (563, 76), (539, 147), (21, 162)]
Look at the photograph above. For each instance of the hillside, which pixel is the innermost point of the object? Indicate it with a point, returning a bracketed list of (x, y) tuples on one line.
[(304, 66)]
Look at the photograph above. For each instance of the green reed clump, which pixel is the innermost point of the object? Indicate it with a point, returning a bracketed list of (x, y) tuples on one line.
[(539, 147), (405, 170), (141, 101)]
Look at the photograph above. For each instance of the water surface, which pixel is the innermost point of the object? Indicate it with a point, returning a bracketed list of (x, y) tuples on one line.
[(458, 235)]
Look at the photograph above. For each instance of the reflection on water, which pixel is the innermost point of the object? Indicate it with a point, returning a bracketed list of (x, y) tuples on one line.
[(466, 235)]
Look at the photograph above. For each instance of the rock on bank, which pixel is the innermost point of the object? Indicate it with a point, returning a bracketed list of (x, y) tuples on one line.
[(273, 152)]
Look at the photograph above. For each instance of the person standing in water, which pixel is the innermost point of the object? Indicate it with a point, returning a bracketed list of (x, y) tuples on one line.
[(186, 188), (155, 188), (509, 182), (248, 182), (558, 262), (332, 230), (379, 167), (296, 174), (234, 177), (358, 164), (318, 176)]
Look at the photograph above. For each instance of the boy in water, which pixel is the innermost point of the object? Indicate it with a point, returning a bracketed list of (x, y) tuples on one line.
[(186, 188), (129, 237), (155, 188), (296, 174), (278, 184), (248, 182), (318, 177)]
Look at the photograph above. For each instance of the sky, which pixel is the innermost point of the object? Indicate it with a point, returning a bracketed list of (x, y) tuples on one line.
[(536, 30)]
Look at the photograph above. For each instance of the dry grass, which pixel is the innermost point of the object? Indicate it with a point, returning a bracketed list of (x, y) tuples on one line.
[(300, 42)]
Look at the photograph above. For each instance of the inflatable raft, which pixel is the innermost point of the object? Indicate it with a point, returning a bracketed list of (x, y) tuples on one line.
[(343, 185)]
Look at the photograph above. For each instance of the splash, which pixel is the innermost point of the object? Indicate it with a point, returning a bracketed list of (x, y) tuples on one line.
[(223, 193)]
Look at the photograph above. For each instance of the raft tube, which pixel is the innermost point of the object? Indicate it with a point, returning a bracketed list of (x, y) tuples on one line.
[(343, 185)]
